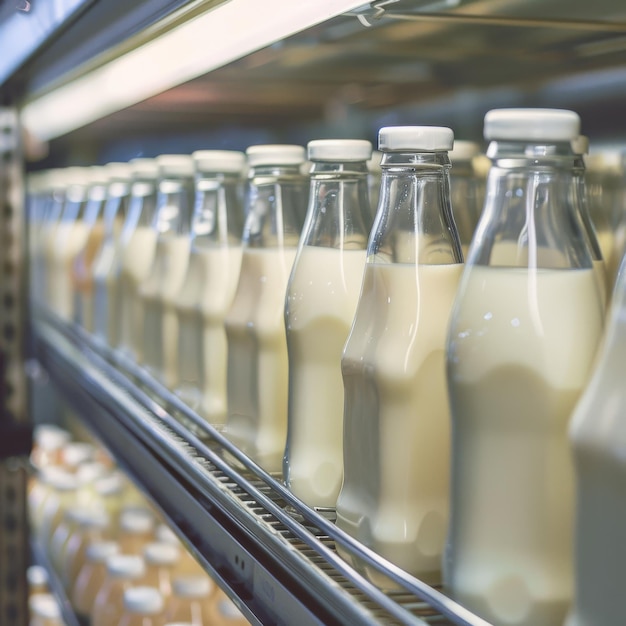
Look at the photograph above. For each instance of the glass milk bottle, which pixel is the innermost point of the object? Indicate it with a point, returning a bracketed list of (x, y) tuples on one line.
[(597, 433), (322, 295), (123, 572), (465, 190), (210, 283), (69, 238), (394, 497), (45, 610), (136, 529), (255, 325), (580, 147), (524, 331), (136, 254), (91, 576), (374, 175), (172, 223), (83, 263), (104, 303), (161, 560)]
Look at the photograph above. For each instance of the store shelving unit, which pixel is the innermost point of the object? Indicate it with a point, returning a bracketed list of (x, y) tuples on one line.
[(80, 74)]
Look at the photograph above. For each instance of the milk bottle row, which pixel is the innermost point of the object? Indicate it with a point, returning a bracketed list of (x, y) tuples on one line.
[(426, 402), (117, 563)]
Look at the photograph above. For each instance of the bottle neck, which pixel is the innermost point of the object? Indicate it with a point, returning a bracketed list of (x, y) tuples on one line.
[(141, 204), (276, 203), (533, 212), (218, 214), (338, 200), (414, 222), (116, 205), (174, 208)]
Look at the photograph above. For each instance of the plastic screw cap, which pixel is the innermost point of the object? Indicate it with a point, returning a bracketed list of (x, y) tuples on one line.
[(192, 586), (227, 161), (117, 170), (135, 522), (276, 154), (532, 124), (109, 485), (146, 600), (144, 168), (411, 138), (161, 554), (50, 437), (339, 150), (175, 165), (76, 452), (37, 576), (464, 150), (100, 551), (125, 566), (580, 145)]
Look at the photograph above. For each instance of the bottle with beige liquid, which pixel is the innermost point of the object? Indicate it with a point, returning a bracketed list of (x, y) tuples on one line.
[(91, 576), (123, 572), (580, 147), (190, 601), (465, 190), (257, 373), (597, 433), (210, 282), (161, 560), (321, 300), (525, 328), (395, 493), (135, 254), (82, 269), (68, 240), (102, 300), (159, 292)]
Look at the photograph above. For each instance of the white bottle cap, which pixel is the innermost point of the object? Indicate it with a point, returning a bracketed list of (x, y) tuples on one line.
[(109, 485), (275, 155), (37, 576), (161, 554), (77, 176), (339, 150), (94, 518), (50, 438), (136, 522), (62, 481), (100, 551), (192, 586), (144, 168), (532, 124), (228, 609), (76, 452), (415, 138), (580, 145), (118, 171), (89, 472), (219, 161), (164, 534), (45, 606), (98, 175), (146, 600), (175, 165), (373, 164), (125, 566), (463, 150)]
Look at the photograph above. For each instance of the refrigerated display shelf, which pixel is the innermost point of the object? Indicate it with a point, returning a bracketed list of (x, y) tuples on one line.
[(272, 554)]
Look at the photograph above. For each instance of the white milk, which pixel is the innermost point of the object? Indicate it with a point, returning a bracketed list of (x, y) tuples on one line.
[(84, 274), (321, 302), (397, 452), (597, 432), (521, 346), (203, 304), (137, 260), (158, 295), (257, 356), (69, 239)]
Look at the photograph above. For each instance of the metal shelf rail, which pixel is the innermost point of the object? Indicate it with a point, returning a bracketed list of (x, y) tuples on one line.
[(272, 554)]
